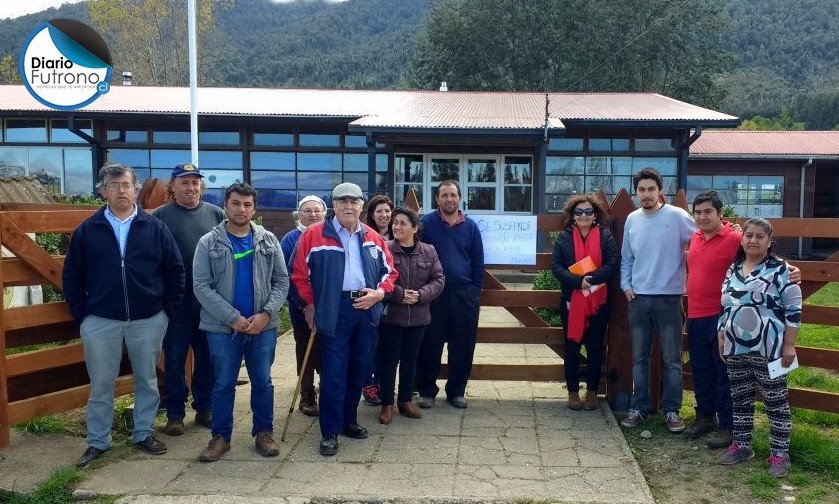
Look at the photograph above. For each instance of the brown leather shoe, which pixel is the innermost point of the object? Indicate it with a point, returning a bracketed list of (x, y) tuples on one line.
[(386, 415), (265, 445), (204, 418), (590, 403), (214, 450), (574, 401), (174, 427), (309, 403), (407, 409), (720, 438)]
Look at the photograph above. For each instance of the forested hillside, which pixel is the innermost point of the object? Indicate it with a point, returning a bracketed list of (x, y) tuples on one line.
[(783, 55), (787, 54)]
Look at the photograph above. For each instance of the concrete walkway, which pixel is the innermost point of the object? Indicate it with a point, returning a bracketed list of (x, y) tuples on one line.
[(516, 441)]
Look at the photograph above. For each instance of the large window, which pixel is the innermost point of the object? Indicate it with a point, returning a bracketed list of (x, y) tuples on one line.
[(26, 130), (65, 170), (220, 168), (749, 195), (569, 175), (283, 178), (489, 183)]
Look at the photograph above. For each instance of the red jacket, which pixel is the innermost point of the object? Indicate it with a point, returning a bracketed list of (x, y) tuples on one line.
[(317, 271)]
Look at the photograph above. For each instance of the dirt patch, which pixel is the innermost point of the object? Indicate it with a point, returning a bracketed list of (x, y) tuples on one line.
[(685, 472)]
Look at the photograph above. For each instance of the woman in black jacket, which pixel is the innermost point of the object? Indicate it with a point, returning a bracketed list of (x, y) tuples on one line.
[(407, 312), (585, 259)]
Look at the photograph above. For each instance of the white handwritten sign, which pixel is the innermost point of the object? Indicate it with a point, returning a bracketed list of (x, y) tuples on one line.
[(508, 239)]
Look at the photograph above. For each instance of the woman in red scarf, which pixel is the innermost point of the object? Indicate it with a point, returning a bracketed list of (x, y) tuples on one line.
[(589, 250)]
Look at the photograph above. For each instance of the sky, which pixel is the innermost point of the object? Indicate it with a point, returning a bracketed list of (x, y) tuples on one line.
[(16, 8)]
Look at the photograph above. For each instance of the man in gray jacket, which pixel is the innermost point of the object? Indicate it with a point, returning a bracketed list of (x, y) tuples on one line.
[(240, 279)]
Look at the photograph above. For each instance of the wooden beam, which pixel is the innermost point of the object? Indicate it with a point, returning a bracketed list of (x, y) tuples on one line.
[(824, 315), (30, 253), (52, 333), (513, 372), (803, 228), (38, 360), (64, 400), (45, 207), (814, 400), (4, 391), (819, 271), (522, 335), (36, 315), (16, 272), (818, 357), (56, 221), (520, 298)]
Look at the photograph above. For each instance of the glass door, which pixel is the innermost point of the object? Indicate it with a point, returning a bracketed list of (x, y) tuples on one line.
[(479, 184)]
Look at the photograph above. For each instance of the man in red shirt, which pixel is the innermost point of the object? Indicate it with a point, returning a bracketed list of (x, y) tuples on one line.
[(711, 252)]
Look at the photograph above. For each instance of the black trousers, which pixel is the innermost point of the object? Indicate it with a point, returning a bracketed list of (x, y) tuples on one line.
[(301, 340), (593, 341), (398, 346), (454, 321)]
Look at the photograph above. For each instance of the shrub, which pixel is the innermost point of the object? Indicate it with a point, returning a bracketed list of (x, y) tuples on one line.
[(545, 280)]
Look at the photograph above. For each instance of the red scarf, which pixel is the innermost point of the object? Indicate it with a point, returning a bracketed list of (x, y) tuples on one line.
[(583, 307)]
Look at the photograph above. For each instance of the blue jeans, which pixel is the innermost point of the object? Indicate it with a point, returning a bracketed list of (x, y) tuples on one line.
[(103, 340), (227, 351), (182, 334), (710, 374), (665, 314), (346, 357)]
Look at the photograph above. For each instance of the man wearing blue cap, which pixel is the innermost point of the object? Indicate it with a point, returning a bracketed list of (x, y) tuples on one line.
[(188, 218)]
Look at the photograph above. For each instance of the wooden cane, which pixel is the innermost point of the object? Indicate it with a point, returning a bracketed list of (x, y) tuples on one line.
[(299, 381)]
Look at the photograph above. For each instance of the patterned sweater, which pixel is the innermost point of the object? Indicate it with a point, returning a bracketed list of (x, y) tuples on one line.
[(756, 309)]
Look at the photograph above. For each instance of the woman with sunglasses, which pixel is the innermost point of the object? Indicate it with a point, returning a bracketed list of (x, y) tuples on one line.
[(584, 307)]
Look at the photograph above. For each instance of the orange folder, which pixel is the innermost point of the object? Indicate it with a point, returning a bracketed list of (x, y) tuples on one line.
[(583, 267)]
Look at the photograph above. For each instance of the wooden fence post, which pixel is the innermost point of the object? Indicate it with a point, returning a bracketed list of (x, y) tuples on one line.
[(619, 350), (4, 394)]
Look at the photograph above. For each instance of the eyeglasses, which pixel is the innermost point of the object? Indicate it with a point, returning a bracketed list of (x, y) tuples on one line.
[(588, 212), (116, 186)]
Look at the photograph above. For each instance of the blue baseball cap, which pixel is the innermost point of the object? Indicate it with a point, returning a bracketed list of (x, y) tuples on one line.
[(186, 169)]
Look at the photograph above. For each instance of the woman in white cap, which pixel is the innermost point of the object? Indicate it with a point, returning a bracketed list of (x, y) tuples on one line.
[(310, 210)]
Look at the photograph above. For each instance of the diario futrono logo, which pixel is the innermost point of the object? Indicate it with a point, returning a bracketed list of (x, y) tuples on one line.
[(65, 64)]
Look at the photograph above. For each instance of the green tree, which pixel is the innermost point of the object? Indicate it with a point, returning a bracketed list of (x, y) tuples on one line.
[(149, 37), (784, 121), (666, 46), (8, 70)]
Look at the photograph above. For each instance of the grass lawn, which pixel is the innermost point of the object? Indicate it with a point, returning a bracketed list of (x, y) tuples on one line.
[(821, 336)]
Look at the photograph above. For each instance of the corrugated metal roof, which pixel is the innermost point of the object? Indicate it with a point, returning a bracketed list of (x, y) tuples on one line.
[(395, 109), (644, 107), (23, 190), (766, 143)]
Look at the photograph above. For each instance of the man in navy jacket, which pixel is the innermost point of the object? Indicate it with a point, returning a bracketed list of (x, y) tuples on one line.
[(123, 277), (342, 270), (454, 315)]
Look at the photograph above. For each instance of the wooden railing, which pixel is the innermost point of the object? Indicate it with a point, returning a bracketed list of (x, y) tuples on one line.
[(54, 379)]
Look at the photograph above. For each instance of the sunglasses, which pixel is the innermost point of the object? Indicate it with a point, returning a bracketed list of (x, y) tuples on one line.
[(584, 211)]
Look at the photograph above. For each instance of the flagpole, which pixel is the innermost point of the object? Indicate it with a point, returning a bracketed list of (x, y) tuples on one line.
[(193, 84)]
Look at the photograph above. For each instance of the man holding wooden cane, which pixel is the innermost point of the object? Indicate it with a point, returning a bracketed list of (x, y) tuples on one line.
[(342, 250)]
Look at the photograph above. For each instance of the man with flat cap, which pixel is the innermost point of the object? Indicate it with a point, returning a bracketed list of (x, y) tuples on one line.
[(342, 250), (188, 218)]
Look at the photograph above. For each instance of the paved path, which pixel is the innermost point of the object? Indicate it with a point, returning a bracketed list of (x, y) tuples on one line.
[(516, 441)]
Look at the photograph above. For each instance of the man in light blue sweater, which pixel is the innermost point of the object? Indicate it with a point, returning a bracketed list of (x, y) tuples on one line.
[(653, 280)]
